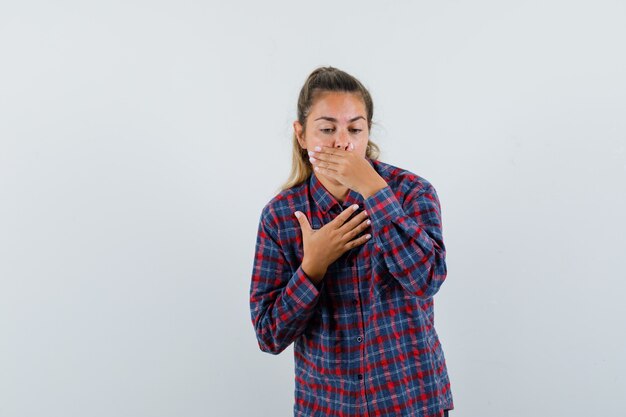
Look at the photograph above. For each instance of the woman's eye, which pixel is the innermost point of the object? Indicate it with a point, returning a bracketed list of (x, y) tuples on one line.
[(331, 130)]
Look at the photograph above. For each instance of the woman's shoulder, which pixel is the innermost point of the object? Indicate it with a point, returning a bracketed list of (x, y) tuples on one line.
[(284, 203)]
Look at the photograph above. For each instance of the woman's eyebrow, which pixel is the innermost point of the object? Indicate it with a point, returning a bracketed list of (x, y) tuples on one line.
[(332, 119)]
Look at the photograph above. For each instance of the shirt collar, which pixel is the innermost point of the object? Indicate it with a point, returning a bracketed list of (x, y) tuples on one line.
[(325, 200)]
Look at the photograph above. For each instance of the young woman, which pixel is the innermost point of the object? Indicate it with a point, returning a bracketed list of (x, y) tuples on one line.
[(349, 255)]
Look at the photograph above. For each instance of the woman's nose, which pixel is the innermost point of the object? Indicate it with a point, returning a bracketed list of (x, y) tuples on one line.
[(342, 142)]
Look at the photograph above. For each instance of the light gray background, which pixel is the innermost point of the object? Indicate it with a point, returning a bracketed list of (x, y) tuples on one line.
[(140, 141)]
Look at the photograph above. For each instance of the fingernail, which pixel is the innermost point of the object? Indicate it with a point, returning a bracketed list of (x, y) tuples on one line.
[(369, 221), (355, 206), (297, 213), (368, 236), (317, 148)]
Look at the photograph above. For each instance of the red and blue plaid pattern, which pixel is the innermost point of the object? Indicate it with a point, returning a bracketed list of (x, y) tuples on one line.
[(364, 338)]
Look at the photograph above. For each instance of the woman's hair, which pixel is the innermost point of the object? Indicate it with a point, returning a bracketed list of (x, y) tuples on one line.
[(320, 80)]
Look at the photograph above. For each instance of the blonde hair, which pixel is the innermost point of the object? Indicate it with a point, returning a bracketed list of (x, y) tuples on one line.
[(320, 80)]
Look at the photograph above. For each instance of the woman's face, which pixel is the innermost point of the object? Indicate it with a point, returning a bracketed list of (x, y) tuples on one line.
[(336, 119)]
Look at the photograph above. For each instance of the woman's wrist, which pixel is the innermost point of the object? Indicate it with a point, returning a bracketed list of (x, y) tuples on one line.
[(373, 188), (315, 273)]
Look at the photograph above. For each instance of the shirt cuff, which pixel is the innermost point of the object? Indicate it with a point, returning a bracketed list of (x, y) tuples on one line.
[(302, 290)]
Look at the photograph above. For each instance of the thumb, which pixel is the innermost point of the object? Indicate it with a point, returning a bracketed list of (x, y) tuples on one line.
[(304, 222)]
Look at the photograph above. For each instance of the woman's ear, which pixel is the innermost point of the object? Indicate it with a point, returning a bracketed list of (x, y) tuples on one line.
[(297, 128)]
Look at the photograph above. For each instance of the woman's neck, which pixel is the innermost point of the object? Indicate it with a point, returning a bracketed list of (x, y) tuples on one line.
[(340, 192)]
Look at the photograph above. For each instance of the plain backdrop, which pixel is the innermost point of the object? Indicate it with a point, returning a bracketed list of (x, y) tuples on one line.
[(139, 141)]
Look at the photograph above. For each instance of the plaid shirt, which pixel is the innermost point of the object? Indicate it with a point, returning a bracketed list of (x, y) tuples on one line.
[(364, 338)]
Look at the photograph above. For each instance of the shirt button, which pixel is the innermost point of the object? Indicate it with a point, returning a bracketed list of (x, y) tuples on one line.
[(360, 376), (359, 339)]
